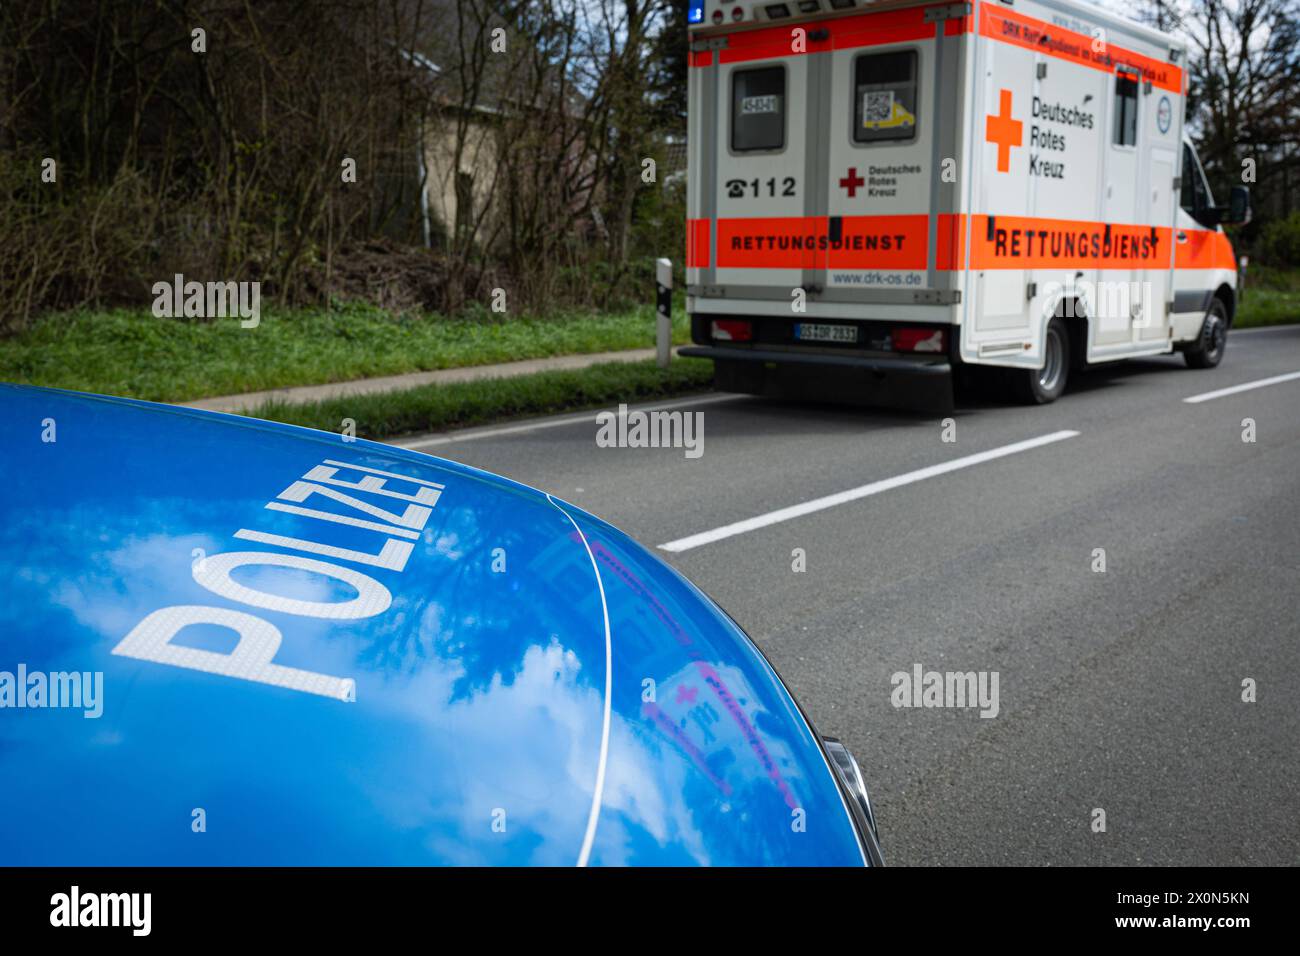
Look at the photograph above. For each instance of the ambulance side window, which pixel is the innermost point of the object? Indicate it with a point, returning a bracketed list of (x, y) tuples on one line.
[(1126, 110), (884, 96), (758, 109)]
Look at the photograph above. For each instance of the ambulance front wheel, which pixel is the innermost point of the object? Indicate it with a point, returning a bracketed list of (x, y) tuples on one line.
[(1042, 385), (1207, 350)]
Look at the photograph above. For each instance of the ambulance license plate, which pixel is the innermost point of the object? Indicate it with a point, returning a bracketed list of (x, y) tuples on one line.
[(816, 332)]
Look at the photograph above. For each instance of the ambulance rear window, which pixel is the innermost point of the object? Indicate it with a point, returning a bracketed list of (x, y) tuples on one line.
[(758, 109), (884, 95)]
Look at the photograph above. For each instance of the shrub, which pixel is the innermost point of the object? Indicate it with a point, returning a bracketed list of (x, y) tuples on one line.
[(1279, 243)]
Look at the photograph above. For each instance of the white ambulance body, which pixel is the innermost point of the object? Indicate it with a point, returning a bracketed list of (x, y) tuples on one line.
[(880, 193)]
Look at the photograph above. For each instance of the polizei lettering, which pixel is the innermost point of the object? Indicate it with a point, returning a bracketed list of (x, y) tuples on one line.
[(395, 517)]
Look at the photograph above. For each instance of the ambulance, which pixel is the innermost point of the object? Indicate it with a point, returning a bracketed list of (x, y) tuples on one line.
[(883, 196)]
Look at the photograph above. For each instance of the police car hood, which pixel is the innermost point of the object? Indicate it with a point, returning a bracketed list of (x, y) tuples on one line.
[(295, 649)]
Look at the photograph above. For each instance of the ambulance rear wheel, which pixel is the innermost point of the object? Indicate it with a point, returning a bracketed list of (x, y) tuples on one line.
[(1040, 386), (1207, 350)]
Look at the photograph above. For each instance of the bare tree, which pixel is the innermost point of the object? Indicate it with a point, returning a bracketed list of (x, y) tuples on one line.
[(1244, 95)]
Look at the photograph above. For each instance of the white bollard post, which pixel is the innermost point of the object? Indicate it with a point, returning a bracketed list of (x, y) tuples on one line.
[(664, 306)]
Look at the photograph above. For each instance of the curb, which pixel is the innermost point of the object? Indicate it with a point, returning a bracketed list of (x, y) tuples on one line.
[(249, 401)]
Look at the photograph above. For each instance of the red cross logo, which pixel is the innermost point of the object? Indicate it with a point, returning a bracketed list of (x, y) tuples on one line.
[(1003, 130), (852, 181)]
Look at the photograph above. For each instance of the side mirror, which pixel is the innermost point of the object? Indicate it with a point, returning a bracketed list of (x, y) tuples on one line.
[(1238, 207)]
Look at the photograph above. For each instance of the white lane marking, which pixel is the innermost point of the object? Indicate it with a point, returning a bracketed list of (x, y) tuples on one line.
[(863, 491), (1245, 387), (594, 813), (420, 444)]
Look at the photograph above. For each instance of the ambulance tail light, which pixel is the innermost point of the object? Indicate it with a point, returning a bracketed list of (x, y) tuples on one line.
[(732, 330), (919, 340)]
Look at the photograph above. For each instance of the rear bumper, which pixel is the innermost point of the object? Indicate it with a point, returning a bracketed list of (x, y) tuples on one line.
[(934, 365)]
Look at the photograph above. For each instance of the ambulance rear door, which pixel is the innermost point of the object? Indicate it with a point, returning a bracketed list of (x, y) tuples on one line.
[(889, 88), (821, 136), (754, 121)]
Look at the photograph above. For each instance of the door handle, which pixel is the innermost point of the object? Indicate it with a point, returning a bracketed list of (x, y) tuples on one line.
[(1182, 236)]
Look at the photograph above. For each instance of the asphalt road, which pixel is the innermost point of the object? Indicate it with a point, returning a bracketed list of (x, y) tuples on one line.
[(1119, 690)]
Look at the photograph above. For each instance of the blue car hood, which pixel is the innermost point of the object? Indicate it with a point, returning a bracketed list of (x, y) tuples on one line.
[(494, 677)]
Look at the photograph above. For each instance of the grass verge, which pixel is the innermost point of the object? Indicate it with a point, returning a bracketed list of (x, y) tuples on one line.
[(1267, 307), (131, 353), (438, 407), (1271, 297)]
